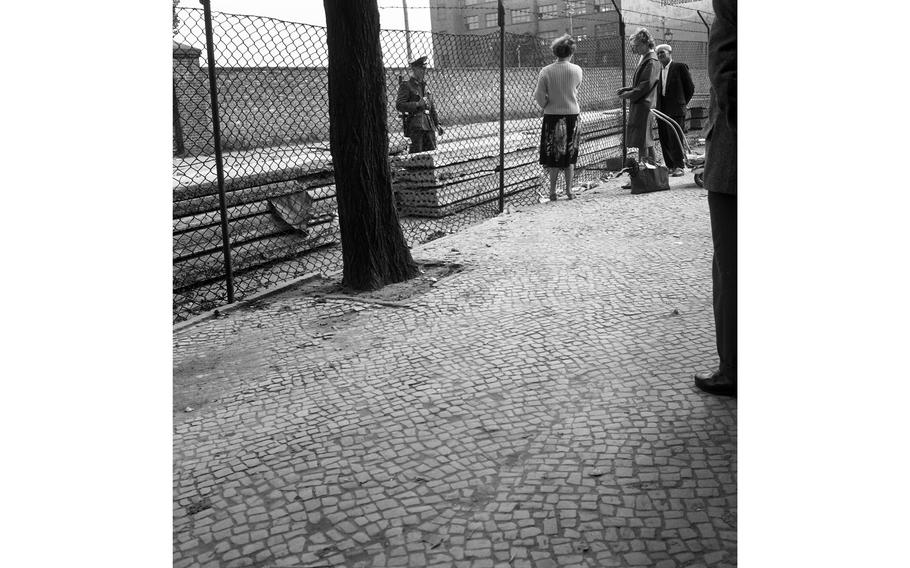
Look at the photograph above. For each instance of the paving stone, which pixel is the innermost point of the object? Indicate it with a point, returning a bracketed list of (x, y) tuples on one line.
[(478, 413), (297, 544), (549, 527), (638, 559)]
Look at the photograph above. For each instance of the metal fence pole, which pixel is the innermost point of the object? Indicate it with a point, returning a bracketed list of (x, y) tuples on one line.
[(622, 51), (707, 27), (219, 164), (502, 103), (178, 126), (407, 30)]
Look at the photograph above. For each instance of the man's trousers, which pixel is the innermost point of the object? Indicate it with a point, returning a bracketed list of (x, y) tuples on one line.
[(669, 145), (723, 231), (422, 141)]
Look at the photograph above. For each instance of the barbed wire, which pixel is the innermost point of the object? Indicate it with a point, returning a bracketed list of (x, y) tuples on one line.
[(272, 18), (589, 16), (665, 17), (586, 17), (680, 6)]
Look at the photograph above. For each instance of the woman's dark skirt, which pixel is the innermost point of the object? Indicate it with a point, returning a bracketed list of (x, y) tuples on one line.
[(552, 153)]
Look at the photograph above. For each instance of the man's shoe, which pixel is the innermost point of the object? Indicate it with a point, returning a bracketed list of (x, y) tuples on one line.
[(715, 383), (677, 172), (627, 185)]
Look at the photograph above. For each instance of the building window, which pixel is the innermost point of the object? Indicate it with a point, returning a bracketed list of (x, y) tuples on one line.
[(492, 21), (521, 16), (576, 7), (603, 6), (472, 2), (579, 32), (472, 22), (603, 30), (548, 37), (548, 12)]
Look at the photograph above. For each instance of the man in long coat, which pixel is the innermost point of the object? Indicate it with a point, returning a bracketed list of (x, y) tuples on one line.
[(673, 95), (720, 181), (415, 102)]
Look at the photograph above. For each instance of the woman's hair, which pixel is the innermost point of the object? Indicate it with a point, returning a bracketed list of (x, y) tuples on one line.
[(563, 46), (643, 36)]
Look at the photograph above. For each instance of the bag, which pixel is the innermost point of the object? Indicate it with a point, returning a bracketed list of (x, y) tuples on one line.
[(646, 180)]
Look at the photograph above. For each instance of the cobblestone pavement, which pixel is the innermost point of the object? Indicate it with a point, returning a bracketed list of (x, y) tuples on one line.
[(535, 409)]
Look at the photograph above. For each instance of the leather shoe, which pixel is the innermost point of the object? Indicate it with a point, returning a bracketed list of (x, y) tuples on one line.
[(677, 172), (627, 185), (716, 383)]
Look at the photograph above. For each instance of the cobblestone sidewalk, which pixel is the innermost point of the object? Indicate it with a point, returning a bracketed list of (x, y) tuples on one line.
[(535, 409)]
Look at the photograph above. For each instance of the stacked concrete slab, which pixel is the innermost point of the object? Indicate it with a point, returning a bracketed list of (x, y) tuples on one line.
[(460, 175)]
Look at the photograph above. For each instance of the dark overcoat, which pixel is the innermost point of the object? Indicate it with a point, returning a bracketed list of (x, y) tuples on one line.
[(410, 93), (720, 153), (642, 99)]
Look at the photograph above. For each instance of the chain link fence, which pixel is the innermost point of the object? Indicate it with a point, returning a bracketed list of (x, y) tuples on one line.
[(278, 186)]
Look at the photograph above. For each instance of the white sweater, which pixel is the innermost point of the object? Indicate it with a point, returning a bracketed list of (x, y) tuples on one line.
[(557, 88)]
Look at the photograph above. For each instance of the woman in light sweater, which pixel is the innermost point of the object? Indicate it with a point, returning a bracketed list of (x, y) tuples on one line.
[(557, 95)]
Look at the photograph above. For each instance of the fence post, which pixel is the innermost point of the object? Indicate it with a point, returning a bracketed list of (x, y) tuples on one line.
[(622, 51), (178, 125), (219, 163), (501, 12), (707, 27), (407, 30)]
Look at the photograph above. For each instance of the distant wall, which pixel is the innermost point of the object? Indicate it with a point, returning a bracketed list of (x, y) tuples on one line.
[(261, 107)]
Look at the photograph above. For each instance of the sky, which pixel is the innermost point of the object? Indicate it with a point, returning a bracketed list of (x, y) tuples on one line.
[(391, 12), (265, 45)]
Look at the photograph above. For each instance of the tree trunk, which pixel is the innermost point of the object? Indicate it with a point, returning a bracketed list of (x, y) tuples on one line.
[(374, 249)]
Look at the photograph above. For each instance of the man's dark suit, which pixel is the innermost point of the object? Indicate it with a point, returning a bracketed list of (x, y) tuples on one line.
[(679, 91), (720, 179)]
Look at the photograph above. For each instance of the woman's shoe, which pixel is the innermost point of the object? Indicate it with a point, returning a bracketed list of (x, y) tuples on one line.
[(552, 197)]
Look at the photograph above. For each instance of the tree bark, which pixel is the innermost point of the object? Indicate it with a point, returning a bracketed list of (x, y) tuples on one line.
[(374, 249)]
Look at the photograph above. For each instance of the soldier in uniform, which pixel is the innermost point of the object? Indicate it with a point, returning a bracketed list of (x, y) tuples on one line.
[(416, 104)]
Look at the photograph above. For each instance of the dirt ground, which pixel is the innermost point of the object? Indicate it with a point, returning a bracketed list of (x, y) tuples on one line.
[(197, 384), (430, 274)]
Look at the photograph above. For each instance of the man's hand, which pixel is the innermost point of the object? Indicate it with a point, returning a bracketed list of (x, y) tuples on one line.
[(440, 131), (623, 90), (422, 104)]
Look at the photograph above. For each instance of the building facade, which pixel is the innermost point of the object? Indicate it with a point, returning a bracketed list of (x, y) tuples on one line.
[(466, 31), (530, 25), (546, 19)]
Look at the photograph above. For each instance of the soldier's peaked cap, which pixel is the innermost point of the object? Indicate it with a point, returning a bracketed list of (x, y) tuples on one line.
[(419, 62)]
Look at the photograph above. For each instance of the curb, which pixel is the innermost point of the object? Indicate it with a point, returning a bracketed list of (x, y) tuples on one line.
[(186, 324)]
